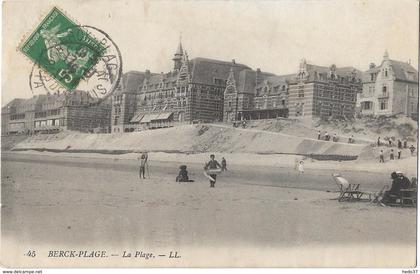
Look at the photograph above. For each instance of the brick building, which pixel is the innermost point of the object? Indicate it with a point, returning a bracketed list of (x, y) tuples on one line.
[(124, 101), (390, 88), (192, 91), (54, 112), (318, 91), (314, 91), (251, 94)]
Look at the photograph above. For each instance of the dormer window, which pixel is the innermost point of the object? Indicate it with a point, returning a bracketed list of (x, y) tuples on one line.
[(410, 75)]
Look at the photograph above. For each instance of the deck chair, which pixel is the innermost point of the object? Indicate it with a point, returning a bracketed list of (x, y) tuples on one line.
[(349, 192)]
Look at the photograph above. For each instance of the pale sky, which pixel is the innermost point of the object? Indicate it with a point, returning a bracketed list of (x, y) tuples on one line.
[(271, 35)]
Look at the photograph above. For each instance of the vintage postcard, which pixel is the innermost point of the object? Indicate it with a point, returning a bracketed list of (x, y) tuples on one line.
[(209, 133)]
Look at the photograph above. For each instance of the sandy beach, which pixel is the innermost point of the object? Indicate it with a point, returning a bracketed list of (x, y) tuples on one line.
[(62, 202)]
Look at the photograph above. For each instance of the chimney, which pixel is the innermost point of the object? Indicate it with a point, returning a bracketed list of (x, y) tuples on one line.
[(372, 65), (409, 61), (258, 77), (233, 61), (147, 74)]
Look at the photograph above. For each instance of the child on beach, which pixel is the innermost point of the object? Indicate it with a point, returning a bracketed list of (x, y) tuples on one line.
[(224, 168), (142, 164), (212, 165), (381, 157), (300, 167)]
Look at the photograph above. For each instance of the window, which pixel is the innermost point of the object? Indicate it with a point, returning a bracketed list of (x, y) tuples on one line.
[(301, 94), (413, 107), (386, 72), (384, 105), (367, 105), (299, 109), (219, 82), (283, 102), (372, 77), (384, 90), (410, 75), (230, 104)]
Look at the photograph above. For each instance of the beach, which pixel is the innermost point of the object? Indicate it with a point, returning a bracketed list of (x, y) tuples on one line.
[(61, 202)]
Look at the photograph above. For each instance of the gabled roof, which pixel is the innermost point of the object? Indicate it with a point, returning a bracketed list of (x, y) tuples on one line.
[(277, 80), (246, 81), (132, 80), (15, 102), (340, 71), (205, 71), (402, 69)]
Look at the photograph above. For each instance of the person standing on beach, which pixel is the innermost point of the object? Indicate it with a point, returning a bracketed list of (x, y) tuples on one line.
[(224, 168), (212, 164), (142, 164), (319, 135), (381, 157), (399, 154), (300, 167), (391, 155), (412, 149), (379, 141)]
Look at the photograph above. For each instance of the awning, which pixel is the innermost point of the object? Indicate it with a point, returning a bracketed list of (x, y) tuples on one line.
[(164, 116), (137, 118), (147, 118)]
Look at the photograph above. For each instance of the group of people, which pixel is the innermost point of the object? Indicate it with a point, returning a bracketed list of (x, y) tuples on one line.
[(327, 137), (399, 181), (211, 169), (242, 123), (400, 146)]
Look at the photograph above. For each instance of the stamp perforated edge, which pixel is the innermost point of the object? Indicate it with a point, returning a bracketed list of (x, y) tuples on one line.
[(30, 33)]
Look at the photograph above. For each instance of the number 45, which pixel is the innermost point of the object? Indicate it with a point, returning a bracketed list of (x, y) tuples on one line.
[(31, 253)]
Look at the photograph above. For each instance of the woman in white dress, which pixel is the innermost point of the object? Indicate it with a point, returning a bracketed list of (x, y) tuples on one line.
[(300, 167)]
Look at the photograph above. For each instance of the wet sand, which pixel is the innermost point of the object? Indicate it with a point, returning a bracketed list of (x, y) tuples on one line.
[(61, 202)]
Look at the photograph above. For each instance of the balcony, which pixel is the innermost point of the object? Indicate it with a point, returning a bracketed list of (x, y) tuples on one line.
[(383, 95), (365, 95)]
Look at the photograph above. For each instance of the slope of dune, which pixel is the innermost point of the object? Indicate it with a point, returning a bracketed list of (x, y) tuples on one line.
[(192, 139)]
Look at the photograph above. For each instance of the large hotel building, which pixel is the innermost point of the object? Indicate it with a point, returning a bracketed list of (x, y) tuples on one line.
[(208, 90), (390, 88)]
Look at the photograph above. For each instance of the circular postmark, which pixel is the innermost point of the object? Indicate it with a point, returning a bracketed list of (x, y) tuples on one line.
[(90, 63)]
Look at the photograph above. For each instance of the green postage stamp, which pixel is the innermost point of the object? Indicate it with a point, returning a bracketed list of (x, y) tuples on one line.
[(63, 49)]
